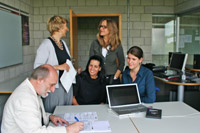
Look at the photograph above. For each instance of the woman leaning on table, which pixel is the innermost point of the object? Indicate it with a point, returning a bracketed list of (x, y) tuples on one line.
[(108, 47), (54, 51), (136, 73)]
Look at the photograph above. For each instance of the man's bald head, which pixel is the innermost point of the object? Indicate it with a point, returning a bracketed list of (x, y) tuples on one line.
[(43, 71), (44, 79)]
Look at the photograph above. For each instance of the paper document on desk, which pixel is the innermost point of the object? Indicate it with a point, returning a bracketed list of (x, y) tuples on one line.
[(101, 126), (82, 116), (90, 120), (93, 126), (68, 78)]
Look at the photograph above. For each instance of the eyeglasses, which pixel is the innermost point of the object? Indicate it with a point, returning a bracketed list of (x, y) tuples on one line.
[(103, 26)]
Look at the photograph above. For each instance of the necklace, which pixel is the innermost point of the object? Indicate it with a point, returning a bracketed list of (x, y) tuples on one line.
[(59, 44)]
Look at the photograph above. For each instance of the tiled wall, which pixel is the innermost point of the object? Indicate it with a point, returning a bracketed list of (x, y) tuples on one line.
[(40, 10), (25, 68), (87, 30), (140, 21), (140, 24)]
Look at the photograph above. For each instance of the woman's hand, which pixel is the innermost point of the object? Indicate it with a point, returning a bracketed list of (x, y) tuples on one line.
[(79, 70), (74, 101), (64, 66), (117, 74)]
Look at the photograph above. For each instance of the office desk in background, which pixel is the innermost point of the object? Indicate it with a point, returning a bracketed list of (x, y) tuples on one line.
[(191, 68), (188, 120), (180, 85), (9, 86)]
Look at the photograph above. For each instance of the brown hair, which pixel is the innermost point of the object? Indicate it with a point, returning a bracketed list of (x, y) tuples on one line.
[(113, 35), (136, 51), (55, 23)]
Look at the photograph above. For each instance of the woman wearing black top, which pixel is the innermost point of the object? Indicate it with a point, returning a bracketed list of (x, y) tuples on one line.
[(90, 87)]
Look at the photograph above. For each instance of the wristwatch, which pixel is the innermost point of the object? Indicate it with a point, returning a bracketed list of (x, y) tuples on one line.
[(115, 78)]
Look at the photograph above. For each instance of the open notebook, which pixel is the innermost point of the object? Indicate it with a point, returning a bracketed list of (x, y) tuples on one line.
[(124, 99)]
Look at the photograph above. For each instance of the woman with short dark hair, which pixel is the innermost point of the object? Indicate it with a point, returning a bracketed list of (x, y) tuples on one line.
[(90, 87)]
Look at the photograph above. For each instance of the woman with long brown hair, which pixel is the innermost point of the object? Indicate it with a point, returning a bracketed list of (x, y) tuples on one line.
[(108, 47)]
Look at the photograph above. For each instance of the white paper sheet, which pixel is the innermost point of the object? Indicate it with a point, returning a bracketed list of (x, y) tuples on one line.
[(68, 78), (101, 126), (82, 116)]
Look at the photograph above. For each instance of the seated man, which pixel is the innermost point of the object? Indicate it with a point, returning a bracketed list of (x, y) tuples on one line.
[(24, 111)]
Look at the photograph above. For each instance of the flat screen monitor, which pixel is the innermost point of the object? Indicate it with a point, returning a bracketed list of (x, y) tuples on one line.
[(170, 56), (178, 61), (196, 61)]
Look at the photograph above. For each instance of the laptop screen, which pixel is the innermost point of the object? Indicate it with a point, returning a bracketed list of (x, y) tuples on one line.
[(124, 94)]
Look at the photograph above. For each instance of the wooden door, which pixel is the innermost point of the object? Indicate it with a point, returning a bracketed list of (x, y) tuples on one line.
[(73, 39)]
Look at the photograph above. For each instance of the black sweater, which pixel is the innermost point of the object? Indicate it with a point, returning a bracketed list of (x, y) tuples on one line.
[(88, 90)]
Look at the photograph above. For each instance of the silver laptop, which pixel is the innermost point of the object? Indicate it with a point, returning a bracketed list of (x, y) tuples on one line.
[(124, 99)]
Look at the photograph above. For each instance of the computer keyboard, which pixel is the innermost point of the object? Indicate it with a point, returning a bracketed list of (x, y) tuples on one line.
[(170, 73), (131, 108), (167, 73)]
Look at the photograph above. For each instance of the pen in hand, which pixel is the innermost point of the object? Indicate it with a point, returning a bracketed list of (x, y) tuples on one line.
[(76, 118)]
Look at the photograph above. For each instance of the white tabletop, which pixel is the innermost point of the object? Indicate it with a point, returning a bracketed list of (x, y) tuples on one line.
[(117, 125), (177, 117)]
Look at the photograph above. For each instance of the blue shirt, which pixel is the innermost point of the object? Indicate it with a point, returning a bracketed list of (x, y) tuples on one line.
[(145, 82)]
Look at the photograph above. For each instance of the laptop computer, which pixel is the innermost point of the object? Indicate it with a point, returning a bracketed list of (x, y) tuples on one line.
[(124, 99)]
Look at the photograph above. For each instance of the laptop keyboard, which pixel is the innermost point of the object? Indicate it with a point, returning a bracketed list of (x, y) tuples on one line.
[(130, 109)]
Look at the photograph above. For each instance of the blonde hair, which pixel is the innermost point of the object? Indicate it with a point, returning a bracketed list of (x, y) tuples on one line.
[(55, 23), (113, 35)]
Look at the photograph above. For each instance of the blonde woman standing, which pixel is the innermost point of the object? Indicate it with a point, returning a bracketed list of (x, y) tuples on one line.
[(54, 51)]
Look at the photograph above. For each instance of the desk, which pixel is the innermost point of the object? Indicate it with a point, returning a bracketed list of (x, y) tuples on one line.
[(187, 124), (191, 68), (145, 125), (117, 125), (10, 85), (180, 84)]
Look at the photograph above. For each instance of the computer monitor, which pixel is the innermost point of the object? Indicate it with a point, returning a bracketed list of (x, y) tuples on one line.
[(178, 61), (170, 56), (196, 62)]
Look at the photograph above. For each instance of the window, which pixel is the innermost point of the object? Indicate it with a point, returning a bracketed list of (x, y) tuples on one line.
[(189, 35), (163, 38)]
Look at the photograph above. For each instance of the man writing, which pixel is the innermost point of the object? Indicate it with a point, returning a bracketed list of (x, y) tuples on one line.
[(24, 110)]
